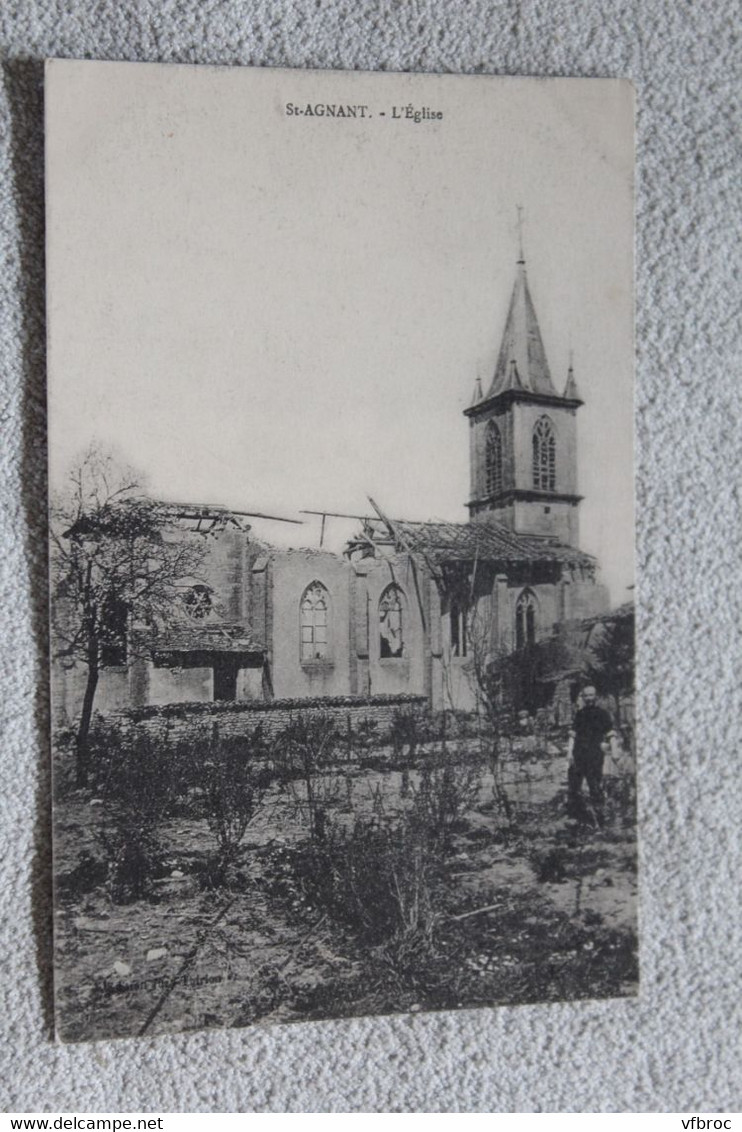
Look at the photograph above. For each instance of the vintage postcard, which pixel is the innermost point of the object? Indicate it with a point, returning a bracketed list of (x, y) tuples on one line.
[(340, 434)]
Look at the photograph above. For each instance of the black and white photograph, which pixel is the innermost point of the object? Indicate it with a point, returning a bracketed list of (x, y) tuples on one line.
[(340, 386)]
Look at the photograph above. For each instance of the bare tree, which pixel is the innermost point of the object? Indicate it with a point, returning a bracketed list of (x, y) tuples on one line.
[(490, 672), (114, 573)]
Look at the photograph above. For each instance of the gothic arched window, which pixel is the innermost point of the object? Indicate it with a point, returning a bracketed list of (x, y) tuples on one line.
[(315, 622), (544, 455), (525, 620), (391, 623), (493, 459)]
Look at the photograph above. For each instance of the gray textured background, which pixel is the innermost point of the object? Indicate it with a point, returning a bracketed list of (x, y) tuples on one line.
[(677, 1048)]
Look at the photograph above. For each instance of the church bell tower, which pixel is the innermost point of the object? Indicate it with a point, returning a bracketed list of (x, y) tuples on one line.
[(523, 441)]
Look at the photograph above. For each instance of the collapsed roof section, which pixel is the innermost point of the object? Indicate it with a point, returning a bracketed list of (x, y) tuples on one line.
[(186, 645), (202, 518), (440, 543)]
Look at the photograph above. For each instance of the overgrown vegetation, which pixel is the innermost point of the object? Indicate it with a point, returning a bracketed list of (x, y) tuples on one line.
[(142, 777), (306, 750), (372, 862), (380, 874), (132, 776), (235, 776)]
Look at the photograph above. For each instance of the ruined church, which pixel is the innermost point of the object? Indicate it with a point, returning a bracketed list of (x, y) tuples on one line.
[(410, 607)]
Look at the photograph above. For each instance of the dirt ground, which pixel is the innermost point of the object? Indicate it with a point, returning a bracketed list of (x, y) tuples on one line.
[(530, 910)]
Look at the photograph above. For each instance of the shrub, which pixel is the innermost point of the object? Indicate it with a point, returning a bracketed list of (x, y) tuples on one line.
[(306, 749), (366, 734), (132, 772), (381, 877), (405, 732), (88, 873), (446, 790), (144, 778), (235, 775), (374, 880), (65, 769), (134, 858)]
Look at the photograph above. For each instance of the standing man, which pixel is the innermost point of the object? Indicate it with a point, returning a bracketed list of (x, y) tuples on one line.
[(591, 728)]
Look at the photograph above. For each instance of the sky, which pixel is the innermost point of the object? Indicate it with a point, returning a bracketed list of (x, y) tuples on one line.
[(278, 312)]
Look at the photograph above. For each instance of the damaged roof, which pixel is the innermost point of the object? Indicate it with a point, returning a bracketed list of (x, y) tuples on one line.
[(449, 542), (620, 613), (213, 637)]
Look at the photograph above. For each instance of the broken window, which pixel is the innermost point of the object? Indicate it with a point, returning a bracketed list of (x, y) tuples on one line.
[(458, 617), (493, 459), (113, 633), (391, 623), (197, 602), (544, 455), (315, 606), (525, 620)]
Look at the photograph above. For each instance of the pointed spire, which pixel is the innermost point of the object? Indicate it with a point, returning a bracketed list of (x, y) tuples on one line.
[(478, 392), (521, 340), (571, 392)]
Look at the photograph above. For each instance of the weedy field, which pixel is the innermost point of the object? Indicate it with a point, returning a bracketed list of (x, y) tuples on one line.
[(216, 883)]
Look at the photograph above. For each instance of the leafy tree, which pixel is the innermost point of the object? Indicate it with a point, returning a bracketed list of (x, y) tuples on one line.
[(114, 574), (611, 661)]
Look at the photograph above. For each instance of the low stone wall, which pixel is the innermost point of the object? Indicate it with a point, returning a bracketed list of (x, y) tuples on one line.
[(243, 716)]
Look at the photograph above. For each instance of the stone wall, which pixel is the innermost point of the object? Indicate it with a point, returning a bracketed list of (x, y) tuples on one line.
[(241, 718)]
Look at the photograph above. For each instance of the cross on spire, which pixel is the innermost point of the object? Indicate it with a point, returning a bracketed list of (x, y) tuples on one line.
[(521, 362)]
